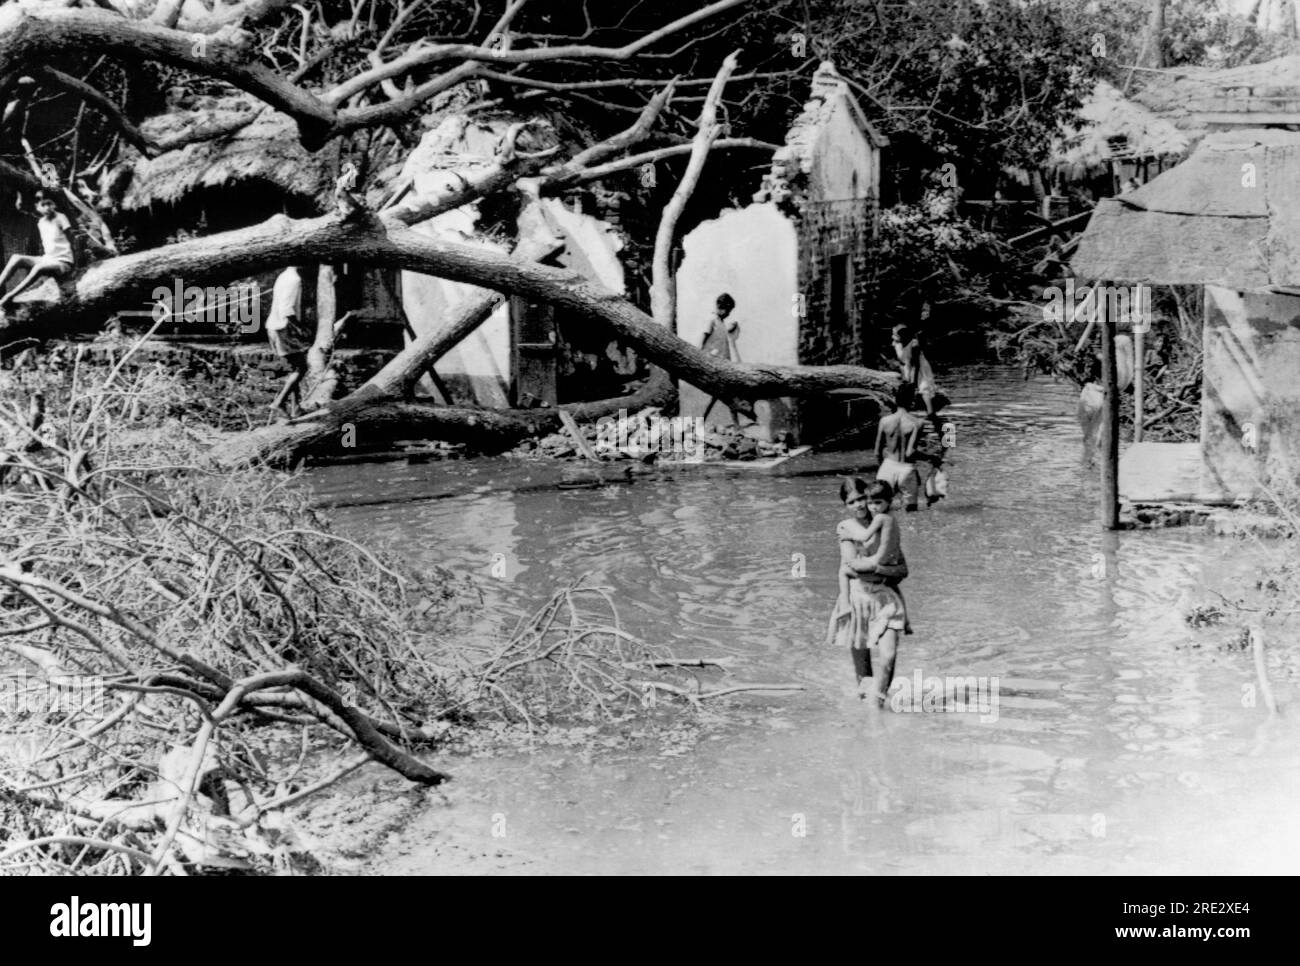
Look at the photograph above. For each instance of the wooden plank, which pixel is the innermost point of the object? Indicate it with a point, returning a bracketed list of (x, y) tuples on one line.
[(534, 363), (1139, 377), (1109, 420), (578, 440), (763, 464)]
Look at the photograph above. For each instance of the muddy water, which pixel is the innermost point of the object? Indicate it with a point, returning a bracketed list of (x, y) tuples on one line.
[(1112, 747)]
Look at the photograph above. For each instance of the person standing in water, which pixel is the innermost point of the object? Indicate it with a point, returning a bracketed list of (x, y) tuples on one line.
[(896, 438), (869, 611), (916, 370)]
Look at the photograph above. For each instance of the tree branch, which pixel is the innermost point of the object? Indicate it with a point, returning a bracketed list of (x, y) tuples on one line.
[(425, 56), (649, 157), (663, 291)]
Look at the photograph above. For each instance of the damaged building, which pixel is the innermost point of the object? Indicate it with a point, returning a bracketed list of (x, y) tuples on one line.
[(1227, 219), (799, 260), (520, 355)]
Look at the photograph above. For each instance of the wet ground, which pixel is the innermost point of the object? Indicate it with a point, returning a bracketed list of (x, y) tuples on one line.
[(1108, 743)]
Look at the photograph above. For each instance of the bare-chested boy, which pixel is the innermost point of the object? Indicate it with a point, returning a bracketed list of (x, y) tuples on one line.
[(896, 446)]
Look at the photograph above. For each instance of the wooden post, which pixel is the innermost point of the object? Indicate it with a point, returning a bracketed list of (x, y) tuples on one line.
[(1139, 373), (327, 311), (1109, 419)]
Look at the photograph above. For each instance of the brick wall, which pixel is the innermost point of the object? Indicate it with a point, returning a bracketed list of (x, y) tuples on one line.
[(829, 333)]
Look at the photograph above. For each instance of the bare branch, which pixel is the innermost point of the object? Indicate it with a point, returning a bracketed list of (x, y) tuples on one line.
[(633, 135), (441, 53), (133, 134), (663, 292), (650, 157)]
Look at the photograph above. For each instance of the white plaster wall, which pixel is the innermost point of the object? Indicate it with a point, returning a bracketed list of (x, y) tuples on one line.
[(1250, 409), (591, 245), (752, 253), (841, 150), (480, 365)]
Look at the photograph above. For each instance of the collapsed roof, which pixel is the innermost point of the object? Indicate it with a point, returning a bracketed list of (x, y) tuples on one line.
[(267, 150), (1115, 128), (1197, 99), (1229, 215)]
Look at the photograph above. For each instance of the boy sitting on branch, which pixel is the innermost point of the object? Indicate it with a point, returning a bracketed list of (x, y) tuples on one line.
[(56, 260)]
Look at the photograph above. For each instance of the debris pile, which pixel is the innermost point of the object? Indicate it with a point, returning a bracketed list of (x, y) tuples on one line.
[(649, 436)]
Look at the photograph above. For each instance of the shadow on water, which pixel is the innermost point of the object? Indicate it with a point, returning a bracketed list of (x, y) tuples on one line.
[(1110, 749)]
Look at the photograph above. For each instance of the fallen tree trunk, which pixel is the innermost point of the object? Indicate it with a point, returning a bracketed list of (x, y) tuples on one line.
[(373, 418), (400, 376), (366, 240)]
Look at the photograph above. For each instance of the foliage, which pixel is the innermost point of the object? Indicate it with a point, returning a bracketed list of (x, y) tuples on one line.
[(1196, 33), (984, 84), (1038, 341), (926, 248)]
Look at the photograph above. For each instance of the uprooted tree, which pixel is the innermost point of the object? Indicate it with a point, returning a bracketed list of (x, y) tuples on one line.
[(185, 654), (399, 65)]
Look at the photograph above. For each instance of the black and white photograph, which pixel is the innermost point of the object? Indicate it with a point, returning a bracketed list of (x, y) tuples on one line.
[(651, 438)]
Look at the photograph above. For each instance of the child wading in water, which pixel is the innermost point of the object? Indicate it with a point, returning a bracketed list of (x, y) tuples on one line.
[(896, 439), (869, 612)]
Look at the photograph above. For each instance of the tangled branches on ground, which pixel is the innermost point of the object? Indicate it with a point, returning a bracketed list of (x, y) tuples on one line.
[(571, 659), (155, 617), (184, 653)]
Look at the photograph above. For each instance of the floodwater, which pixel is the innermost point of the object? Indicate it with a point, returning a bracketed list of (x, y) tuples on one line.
[(1113, 746)]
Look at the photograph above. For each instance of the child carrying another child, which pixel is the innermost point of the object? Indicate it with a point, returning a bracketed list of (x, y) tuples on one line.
[(869, 612)]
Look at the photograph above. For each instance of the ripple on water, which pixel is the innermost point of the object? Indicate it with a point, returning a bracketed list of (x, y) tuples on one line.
[(1099, 711)]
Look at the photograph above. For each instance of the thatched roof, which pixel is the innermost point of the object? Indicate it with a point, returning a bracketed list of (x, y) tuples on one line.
[(1229, 215), (1114, 128), (266, 150), (1191, 97)]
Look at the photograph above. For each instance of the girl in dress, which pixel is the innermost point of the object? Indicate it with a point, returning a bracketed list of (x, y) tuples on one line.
[(869, 612)]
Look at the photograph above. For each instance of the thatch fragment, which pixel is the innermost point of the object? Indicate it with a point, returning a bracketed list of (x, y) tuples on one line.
[(1229, 215), (266, 150)]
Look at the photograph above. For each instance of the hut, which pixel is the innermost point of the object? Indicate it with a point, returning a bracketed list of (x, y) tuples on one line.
[(229, 181), (799, 260), (1197, 100), (259, 168), (255, 170), (1228, 218), (1117, 140)]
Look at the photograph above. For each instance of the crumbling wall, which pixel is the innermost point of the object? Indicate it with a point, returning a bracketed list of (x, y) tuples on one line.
[(1250, 403), (477, 371), (752, 254), (836, 279)]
